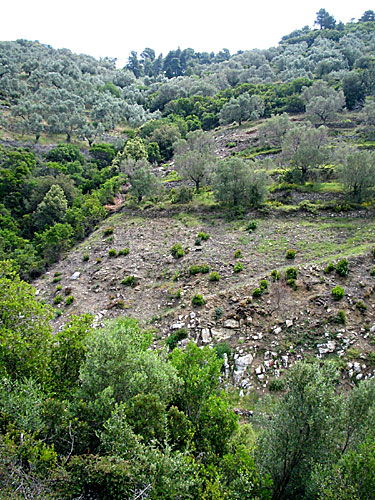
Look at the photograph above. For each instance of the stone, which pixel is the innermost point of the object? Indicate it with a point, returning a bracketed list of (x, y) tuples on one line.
[(241, 364), (206, 336), (75, 276), (221, 333), (177, 326), (231, 323), (289, 323), (277, 330)]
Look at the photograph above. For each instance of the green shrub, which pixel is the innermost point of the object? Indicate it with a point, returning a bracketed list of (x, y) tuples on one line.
[(203, 236), (290, 254), (238, 267), (292, 283), (338, 292), (251, 226), (330, 267), (342, 268), (277, 385), (112, 253), (197, 242), (214, 276), (361, 306), (221, 349), (177, 251), (69, 300), (197, 300), (218, 312), (275, 275), (257, 292), (124, 251), (98, 260), (205, 268), (58, 299), (291, 273), (263, 285), (108, 231), (372, 271), (129, 280), (58, 288), (195, 269), (85, 257), (56, 279), (237, 254), (341, 317), (175, 337)]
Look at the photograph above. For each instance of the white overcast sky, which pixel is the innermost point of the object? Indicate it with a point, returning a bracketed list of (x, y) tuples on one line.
[(114, 28)]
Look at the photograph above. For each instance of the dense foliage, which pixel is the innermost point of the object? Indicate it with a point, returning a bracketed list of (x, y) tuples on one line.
[(97, 413)]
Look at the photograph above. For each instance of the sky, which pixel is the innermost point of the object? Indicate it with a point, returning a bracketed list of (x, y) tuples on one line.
[(113, 28)]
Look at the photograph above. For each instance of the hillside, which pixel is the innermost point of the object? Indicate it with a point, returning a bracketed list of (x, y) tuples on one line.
[(187, 271)]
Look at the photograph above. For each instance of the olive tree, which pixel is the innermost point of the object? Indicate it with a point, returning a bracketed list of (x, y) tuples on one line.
[(358, 174), (235, 184), (195, 157), (305, 147), (273, 130), (322, 102)]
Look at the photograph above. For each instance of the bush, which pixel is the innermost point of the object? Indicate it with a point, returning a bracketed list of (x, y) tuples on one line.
[(251, 226), (58, 299), (197, 242), (330, 267), (257, 292), (361, 306), (276, 385), (58, 288), (108, 231), (177, 251), (85, 257), (214, 276), (112, 253), (221, 349), (195, 269), (341, 317), (342, 268), (203, 236), (291, 273), (56, 279), (205, 268), (275, 275), (129, 280), (197, 300), (292, 283), (218, 312), (338, 292), (372, 271), (238, 267), (69, 300), (124, 251), (237, 254), (175, 337), (67, 290), (263, 285), (290, 254)]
